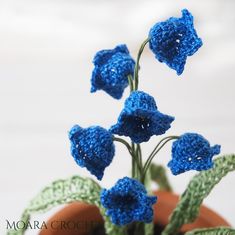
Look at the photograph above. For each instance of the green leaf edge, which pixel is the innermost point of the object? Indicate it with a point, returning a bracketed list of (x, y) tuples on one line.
[(198, 188), (65, 191), (159, 176), (212, 231)]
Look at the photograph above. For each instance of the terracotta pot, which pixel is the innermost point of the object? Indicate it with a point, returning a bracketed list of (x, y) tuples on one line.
[(83, 217)]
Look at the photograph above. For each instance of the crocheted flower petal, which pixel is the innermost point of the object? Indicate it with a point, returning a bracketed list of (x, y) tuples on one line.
[(92, 148), (133, 126), (96, 80), (173, 40), (215, 149), (192, 152), (140, 100), (112, 68), (127, 201), (161, 123), (140, 125), (145, 213), (140, 118), (192, 39), (102, 57)]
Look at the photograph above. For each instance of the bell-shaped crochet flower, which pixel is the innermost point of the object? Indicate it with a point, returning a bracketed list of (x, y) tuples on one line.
[(140, 118), (173, 40), (192, 152), (92, 148), (127, 201), (111, 71)]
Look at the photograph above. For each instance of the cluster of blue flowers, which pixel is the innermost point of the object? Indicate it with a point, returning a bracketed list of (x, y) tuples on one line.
[(171, 41)]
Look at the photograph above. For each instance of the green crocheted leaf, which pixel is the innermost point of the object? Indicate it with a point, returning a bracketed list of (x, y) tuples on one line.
[(66, 191), (199, 188), (212, 231), (158, 175)]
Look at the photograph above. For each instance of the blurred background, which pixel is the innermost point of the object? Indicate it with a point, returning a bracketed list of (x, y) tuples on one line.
[(46, 52)]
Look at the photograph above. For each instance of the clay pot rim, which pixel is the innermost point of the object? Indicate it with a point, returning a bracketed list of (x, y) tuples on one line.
[(166, 202)]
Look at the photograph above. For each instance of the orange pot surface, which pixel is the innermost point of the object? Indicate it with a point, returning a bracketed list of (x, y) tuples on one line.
[(83, 217), (168, 201)]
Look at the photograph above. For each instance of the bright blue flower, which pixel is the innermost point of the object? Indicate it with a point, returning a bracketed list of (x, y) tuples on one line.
[(192, 152), (173, 40), (112, 68), (140, 118), (92, 148), (127, 201)]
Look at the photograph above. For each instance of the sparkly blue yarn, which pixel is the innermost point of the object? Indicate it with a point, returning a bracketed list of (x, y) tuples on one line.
[(92, 148), (173, 40), (140, 118), (192, 152), (111, 70), (128, 201)]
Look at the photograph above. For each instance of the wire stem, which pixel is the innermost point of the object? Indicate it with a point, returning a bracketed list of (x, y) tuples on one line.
[(137, 65), (130, 150), (158, 147), (130, 81), (120, 140)]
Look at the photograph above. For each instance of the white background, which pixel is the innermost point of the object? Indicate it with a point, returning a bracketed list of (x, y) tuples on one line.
[(46, 51)]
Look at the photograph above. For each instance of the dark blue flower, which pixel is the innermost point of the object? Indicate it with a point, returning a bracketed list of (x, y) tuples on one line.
[(173, 40), (192, 152), (92, 148), (112, 68), (127, 201), (140, 118)]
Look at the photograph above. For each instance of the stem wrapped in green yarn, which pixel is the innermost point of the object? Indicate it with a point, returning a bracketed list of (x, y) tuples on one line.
[(65, 191), (149, 228), (199, 188), (212, 231)]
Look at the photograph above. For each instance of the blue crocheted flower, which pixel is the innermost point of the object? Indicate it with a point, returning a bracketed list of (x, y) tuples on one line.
[(173, 40), (92, 148), (111, 70), (127, 201), (192, 152), (140, 118)]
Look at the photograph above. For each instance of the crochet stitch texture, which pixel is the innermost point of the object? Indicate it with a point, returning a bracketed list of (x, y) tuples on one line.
[(173, 40), (192, 152), (92, 148), (127, 201), (111, 71), (140, 118)]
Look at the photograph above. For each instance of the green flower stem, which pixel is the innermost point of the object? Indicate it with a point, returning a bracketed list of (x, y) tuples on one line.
[(137, 168), (139, 152), (138, 164), (158, 147), (120, 140), (139, 228), (137, 65), (130, 150), (130, 81), (133, 161), (133, 168)]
